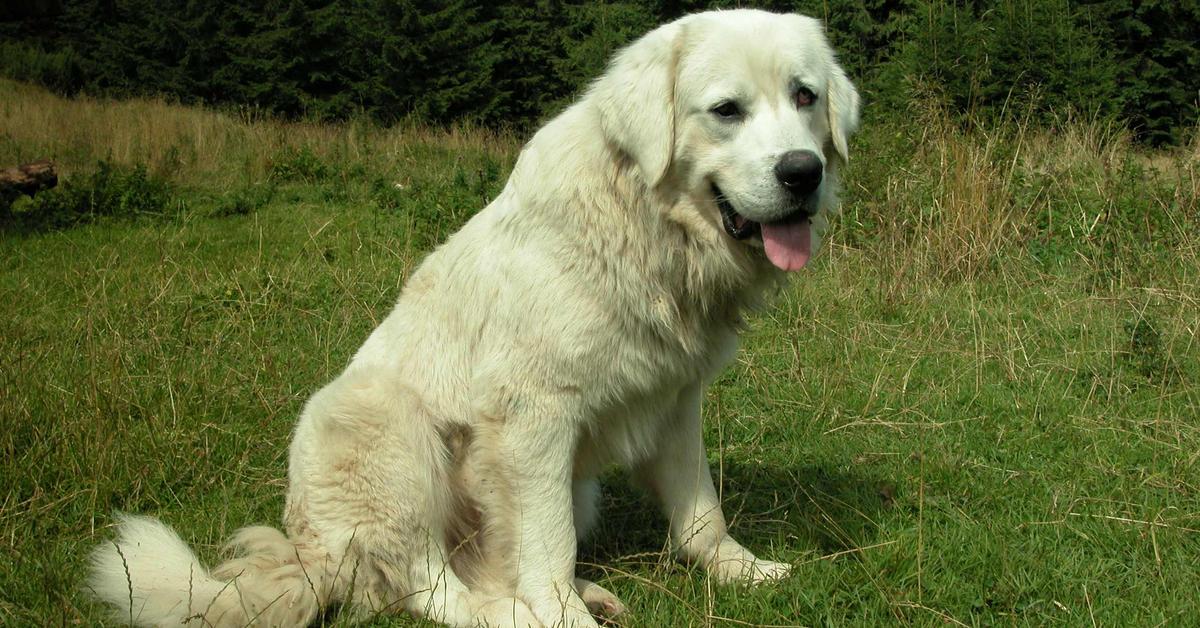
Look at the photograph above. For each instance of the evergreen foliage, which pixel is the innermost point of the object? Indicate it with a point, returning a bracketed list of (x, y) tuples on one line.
[(513, 63)]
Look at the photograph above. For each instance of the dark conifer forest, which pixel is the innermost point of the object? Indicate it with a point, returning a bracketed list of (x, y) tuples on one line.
[(510, 64)]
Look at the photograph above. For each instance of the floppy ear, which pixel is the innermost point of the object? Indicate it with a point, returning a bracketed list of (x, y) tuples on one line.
[(843, 111), (636, 100)]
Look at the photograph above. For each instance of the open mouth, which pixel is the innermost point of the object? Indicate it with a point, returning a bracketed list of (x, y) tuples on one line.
[(787, 242), (736, 225)]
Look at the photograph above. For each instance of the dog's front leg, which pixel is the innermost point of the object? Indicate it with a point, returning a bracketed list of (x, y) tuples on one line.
[(535, 450), (678, 474)]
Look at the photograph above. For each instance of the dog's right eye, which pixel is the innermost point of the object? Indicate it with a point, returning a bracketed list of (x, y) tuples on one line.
[(728, 110)]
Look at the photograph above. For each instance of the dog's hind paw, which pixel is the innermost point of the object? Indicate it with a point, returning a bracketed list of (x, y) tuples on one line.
[(600, 602)]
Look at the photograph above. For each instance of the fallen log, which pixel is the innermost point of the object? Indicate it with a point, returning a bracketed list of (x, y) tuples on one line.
[(28, 178)]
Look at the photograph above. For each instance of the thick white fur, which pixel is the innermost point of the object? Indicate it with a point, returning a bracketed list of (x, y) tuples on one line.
[(571, 324)]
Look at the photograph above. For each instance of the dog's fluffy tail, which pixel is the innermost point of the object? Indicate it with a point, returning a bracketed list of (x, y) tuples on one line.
[(152, 577)]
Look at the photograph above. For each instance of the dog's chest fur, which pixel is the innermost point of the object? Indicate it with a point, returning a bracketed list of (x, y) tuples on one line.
[(670, 324), (646, 397), (594, 288)]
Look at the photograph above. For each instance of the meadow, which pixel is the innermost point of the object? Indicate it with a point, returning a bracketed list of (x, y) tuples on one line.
[(980, 406)]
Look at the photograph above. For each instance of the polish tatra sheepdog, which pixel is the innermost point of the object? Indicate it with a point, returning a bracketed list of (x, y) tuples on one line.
[(572, 324)]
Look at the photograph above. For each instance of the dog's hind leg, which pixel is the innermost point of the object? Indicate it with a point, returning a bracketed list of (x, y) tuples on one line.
[(370, 478), (433, 590)]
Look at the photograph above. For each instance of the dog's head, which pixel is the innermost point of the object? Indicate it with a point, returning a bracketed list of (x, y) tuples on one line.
[(746, 110)]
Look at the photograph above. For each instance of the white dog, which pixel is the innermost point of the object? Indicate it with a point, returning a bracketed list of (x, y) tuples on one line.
[(570, 325)]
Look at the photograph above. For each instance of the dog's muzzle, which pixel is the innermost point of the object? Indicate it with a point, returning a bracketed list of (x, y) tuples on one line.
[(736, 225), (800, 173)]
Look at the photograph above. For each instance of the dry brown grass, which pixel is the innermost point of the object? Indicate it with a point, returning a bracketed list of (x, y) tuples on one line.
[(945, 202), (195, 145), (948, 213), (950, 204), (972, 219)]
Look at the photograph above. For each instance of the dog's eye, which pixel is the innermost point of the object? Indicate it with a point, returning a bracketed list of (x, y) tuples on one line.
[(805, 97), (728, 110)]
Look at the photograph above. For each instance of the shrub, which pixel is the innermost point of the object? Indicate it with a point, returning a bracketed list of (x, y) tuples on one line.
[(298, 164), (245, 199), (60, 70), (433, 209), (109, 191)]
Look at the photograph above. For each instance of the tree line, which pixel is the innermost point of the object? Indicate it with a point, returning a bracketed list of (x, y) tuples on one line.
[(512, 64)]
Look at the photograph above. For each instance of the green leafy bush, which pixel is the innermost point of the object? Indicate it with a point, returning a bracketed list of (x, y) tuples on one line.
[(245, 199), (110, 191), (60, 70), (433, 209), (299, 164)]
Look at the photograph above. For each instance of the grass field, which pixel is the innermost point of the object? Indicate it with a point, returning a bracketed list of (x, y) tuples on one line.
[(981, 406)]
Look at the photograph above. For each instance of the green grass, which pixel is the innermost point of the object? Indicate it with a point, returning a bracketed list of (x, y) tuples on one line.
[(1015, 443)]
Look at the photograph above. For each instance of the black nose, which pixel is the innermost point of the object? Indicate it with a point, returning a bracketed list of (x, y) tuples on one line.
[(799, 171)]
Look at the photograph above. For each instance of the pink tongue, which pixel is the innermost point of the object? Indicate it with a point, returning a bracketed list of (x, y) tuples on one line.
[(788, 246)]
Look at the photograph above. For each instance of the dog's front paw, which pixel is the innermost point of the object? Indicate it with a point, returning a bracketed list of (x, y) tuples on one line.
[(506, 612), (765, 570), (564, 607), (733, 563)]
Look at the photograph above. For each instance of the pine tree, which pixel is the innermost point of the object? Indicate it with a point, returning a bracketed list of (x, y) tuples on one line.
[(437, 60), (1157, 54)]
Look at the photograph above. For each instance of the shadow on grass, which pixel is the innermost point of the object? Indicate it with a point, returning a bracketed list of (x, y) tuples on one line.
[(791, 509)]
